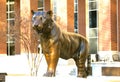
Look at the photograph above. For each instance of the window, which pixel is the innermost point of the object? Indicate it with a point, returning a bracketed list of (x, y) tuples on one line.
[(93, 19), (93, 26), (76, 16), (55, 9), (10, 21), (40, 5)]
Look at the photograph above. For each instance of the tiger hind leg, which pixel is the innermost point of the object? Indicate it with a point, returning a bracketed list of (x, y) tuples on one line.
[(81, 69)]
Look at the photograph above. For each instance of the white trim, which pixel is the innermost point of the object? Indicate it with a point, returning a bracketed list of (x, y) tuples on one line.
[(3, 55), (10, 11), (93, 1), (41, 8), (11, 19), (107, 55), (10, 2), (94, 10)]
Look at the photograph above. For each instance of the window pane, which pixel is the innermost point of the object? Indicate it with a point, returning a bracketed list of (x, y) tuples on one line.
[(76, 9), (75, 22), (10, 49), (11, 0), (93, 45), (55, 10), (76, 1), (93, 19), (40, 3), (11, 23), (93, 33), (12, 15), (92, 5), (11, 7)]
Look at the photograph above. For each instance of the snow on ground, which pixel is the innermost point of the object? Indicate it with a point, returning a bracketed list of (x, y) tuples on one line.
[(14, 64), (63, 69), (18, 65)]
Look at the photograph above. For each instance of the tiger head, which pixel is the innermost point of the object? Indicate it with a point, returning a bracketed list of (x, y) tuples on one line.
[(42, 20)]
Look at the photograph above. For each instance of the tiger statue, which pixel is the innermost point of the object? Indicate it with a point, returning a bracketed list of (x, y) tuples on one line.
[(57, 44)]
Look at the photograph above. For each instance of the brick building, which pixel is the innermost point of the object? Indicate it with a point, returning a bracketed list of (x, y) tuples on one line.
[(98, 20)]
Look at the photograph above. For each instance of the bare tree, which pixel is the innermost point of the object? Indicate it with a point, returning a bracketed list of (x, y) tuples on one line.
[(28, 39)]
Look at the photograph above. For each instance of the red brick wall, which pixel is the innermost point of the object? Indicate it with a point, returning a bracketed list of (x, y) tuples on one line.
[(113, 25), (25, 25), (3, 46), (23, 12), (107, 25), (70, 15), (21, 15), (61, 13), (47, 5), (82, 17), (107, 21), (34, 5), (17, 26), (104, 25), (34, 39), (119, 22)]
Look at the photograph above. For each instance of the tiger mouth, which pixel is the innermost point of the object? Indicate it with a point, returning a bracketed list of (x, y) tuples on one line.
[(38, 30)]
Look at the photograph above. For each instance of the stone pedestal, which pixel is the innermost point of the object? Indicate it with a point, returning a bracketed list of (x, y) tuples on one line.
[(2, 77), (105, 68)]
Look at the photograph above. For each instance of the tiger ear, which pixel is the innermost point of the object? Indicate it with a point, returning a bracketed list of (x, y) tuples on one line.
[(50, 13), (32, 11)]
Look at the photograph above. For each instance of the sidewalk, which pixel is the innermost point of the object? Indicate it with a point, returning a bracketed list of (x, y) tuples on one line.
[(60, 79)]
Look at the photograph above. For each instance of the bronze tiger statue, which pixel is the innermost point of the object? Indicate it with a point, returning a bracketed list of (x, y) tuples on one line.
[(57, 44)]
